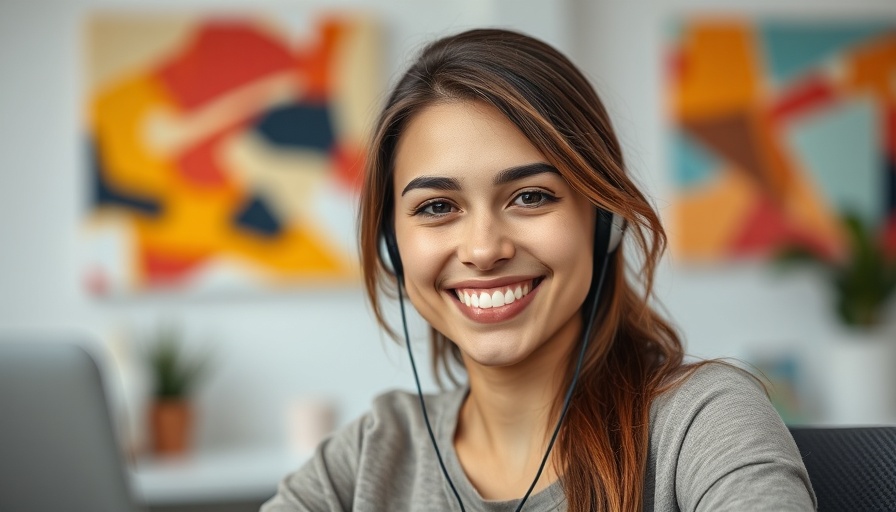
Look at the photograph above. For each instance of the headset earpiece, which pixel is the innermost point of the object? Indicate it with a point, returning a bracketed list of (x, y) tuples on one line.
[(617, 229), (607, 233), (392, 250)]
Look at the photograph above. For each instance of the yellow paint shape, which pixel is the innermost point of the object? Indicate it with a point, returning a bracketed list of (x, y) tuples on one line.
[(719, 73), (201, 222), (118, 120)]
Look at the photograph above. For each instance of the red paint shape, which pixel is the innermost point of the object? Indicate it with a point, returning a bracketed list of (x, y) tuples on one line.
[(348, 166), (224, 55), (166, 268), (199, 164), (809, 94), (766, 228)]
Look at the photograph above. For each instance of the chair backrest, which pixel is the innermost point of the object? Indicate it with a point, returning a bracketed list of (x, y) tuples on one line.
[(850, 468), (58, 449)]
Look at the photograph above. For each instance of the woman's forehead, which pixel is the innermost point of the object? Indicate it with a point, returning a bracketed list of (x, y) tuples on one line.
[(464, 140)]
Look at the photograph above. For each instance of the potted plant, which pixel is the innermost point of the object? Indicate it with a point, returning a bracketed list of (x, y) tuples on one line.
[(175, 374), (862, 280)]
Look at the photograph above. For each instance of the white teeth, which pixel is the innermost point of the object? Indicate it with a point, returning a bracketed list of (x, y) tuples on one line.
[(497, 298)]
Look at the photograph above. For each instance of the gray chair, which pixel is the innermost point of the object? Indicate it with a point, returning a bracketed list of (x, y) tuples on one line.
[(851, 469)]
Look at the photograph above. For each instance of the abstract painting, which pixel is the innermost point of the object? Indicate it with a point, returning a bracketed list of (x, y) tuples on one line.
[(224, 151), (777, 127)]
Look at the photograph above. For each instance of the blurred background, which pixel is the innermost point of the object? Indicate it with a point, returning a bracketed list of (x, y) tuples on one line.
[(177, 184)]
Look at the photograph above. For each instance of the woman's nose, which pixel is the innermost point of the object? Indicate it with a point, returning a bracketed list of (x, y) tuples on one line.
[(485, 243)]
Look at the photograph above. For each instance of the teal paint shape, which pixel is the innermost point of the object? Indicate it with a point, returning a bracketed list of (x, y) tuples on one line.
[(791, 49), (839, 148), (693, 163)]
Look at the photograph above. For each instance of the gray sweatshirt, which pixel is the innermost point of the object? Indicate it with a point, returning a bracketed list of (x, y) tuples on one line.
[(716, 444)]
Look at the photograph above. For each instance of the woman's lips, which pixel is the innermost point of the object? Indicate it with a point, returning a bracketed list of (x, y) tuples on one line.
[(492, 305)]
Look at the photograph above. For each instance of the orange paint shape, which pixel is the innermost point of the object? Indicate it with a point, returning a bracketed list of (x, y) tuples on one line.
[(717, 70), (315, 63), (872, 68), (709, 215), (817, 224)]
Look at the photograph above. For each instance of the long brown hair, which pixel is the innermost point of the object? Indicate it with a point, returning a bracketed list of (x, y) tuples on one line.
[(634, 354)]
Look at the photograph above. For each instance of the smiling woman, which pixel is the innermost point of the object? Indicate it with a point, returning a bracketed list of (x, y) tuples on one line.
[(498, 186)]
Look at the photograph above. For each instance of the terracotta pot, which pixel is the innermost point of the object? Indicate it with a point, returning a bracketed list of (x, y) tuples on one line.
[(171, 426)]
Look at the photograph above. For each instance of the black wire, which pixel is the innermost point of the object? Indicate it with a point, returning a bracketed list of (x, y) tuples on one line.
[(572, 385), (432, 437)]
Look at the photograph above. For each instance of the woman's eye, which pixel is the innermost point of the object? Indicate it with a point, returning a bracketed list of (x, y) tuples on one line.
[(436, 208), (532, 198)]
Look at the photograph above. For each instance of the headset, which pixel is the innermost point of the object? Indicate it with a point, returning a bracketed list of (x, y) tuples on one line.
[(609, 230)]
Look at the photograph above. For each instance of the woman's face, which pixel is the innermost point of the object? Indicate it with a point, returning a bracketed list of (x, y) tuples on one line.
[(496, 246)]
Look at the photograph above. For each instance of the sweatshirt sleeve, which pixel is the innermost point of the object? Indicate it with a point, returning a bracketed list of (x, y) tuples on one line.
[(720, 445), (327, 481)]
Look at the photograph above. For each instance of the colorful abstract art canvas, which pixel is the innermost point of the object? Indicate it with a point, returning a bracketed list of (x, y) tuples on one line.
[(778, 127), (225, 152)]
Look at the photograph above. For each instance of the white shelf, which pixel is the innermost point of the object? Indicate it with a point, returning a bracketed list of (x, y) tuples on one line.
[(233, 475)]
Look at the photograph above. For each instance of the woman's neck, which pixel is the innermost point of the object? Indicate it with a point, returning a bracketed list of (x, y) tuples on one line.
[(508, 417)]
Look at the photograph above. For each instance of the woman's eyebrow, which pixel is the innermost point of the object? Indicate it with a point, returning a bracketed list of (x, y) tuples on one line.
[(506, 176), (523, 171), (432, 182)]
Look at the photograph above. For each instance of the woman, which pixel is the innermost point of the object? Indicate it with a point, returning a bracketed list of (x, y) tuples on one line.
[(492, 172)]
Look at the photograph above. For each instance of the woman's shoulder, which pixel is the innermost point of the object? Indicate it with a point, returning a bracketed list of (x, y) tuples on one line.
[(697, 385), (715, 437)]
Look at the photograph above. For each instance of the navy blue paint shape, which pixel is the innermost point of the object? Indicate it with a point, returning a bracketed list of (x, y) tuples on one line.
[(300, 126), (104, 193), (258, 218)]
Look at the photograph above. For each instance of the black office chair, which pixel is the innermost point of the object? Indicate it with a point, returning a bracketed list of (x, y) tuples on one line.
[(851, 469)]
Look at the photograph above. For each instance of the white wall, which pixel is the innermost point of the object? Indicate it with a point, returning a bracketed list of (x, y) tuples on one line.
[(269, 349), (274, 348)]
